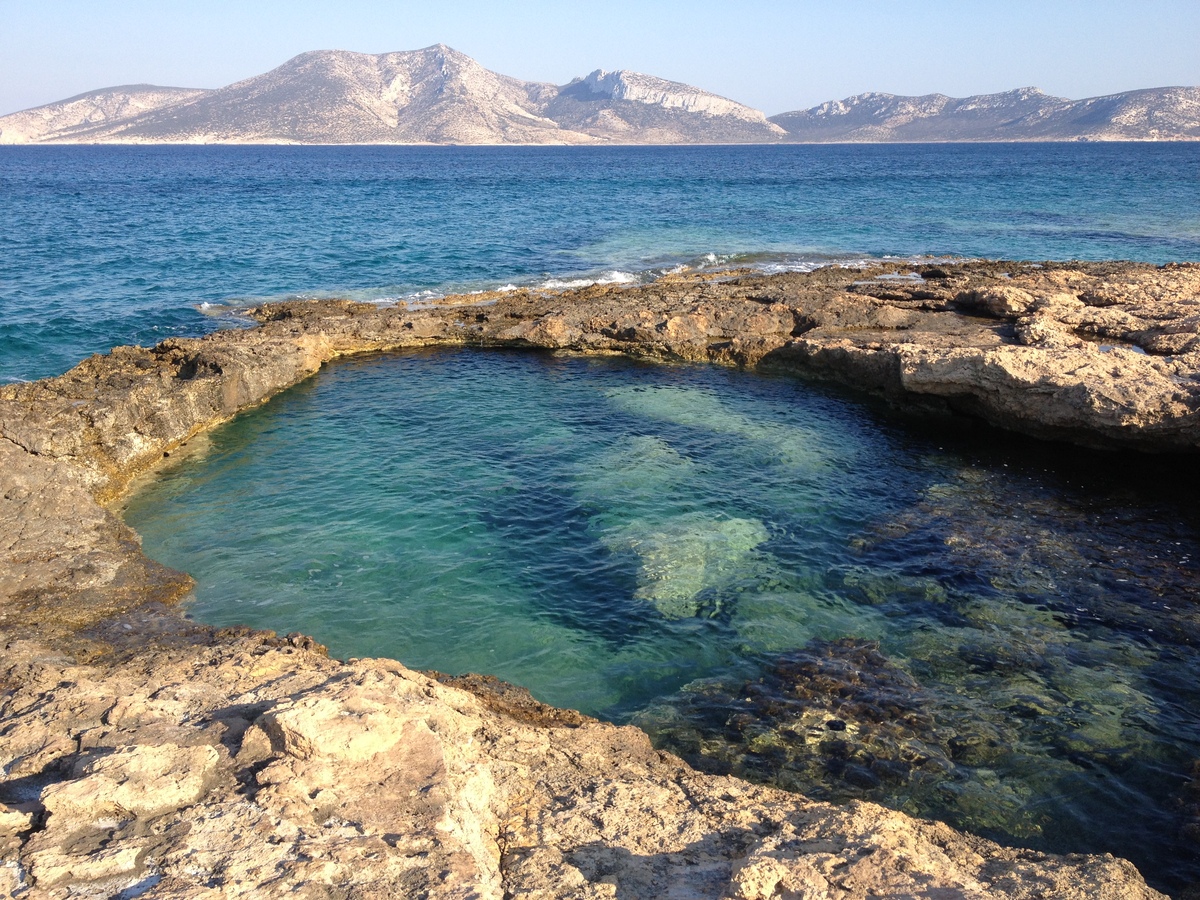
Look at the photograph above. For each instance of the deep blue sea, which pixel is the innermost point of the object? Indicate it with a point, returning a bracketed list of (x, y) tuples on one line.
[(106, 245), (772, 577)]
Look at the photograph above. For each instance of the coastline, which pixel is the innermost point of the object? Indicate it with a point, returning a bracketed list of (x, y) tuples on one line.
[(1179, 139), (113, 698)]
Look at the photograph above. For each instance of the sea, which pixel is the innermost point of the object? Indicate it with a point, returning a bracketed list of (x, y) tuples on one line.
[(773, 577)]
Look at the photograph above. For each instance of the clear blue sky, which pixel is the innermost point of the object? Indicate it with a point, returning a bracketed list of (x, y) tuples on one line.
[(771, 54)]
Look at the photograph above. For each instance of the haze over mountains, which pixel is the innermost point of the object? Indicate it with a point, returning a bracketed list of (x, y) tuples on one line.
[(440, 96)]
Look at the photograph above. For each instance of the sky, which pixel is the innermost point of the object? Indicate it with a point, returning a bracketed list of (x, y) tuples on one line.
[(773, 55)]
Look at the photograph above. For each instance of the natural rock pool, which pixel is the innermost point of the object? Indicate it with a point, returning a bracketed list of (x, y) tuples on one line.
[(771, 579)]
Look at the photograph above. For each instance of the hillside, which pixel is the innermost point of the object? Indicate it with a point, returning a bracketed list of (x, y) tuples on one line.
[(436, 95), (441, 96), (1025, 114)]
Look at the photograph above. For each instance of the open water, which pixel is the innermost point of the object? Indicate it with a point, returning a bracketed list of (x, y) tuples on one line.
[(771, 577), (109, 245)]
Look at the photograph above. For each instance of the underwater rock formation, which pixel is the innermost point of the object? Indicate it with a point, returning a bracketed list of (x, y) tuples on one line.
[(837, 720), (682, 558)]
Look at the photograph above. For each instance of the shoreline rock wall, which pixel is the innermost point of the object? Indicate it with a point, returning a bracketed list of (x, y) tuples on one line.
[(147, 754)]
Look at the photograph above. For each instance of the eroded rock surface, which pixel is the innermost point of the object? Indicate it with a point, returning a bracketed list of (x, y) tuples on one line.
[(143, 755), (234, 765)]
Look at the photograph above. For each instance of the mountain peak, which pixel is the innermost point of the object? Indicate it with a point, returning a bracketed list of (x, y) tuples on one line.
[(433, 95), (441, 95), (635, 87)]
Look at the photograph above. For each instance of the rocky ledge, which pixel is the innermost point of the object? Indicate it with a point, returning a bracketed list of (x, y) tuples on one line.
[(146, 755)]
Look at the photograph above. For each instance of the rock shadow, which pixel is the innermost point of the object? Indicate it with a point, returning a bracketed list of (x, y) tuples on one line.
[(702, 870)]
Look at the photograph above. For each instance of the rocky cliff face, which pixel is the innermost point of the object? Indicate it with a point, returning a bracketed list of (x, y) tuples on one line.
[(436, 95), (634, 108), (639, 88), (1025, 114)]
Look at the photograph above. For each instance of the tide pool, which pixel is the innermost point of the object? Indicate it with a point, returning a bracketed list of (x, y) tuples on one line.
[(769, 577)]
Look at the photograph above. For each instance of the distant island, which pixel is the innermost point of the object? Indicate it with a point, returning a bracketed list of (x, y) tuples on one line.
[(440, 96)]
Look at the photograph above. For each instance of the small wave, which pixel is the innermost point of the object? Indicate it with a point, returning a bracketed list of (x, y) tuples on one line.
[(209, 308), (613, 277), (766, 262), (855, 262)]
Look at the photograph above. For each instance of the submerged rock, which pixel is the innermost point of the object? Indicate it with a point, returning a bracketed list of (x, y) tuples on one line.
[(838, 720), (683, 558), (833, 710)]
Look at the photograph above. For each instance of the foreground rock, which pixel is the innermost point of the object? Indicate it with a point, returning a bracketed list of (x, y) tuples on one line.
[(241, 766), (146, 755)]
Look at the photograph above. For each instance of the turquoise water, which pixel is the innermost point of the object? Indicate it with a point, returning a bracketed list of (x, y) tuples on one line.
[(108, 245), (769, 577)]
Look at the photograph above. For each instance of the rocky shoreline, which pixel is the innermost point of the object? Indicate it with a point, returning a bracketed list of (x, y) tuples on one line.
[(146, 755)]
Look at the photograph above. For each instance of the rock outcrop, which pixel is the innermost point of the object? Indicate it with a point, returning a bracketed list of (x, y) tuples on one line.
[(146, 755), (238, 765), (629, 107)]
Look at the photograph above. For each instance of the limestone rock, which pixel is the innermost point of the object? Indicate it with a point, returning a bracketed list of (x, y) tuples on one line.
[(999, 300), (682, 558), (373, 780), (146, 755), (133, 782)]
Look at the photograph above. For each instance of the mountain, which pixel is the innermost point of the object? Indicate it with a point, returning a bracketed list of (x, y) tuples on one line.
[(95, 109), (435, 95), (1026, 114), (630, 107), (440, 96)]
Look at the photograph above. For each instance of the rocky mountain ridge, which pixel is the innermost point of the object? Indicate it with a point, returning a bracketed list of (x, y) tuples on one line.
[(441, 96), (84, 112), (431, 96), (1025, 114)]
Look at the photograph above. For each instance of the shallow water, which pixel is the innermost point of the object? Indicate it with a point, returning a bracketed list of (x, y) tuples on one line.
[(671, 546), (770, 578)]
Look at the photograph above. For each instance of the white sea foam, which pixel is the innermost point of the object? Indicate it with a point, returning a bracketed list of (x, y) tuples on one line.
[(897, 276), (612, 277), (766, 262)]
